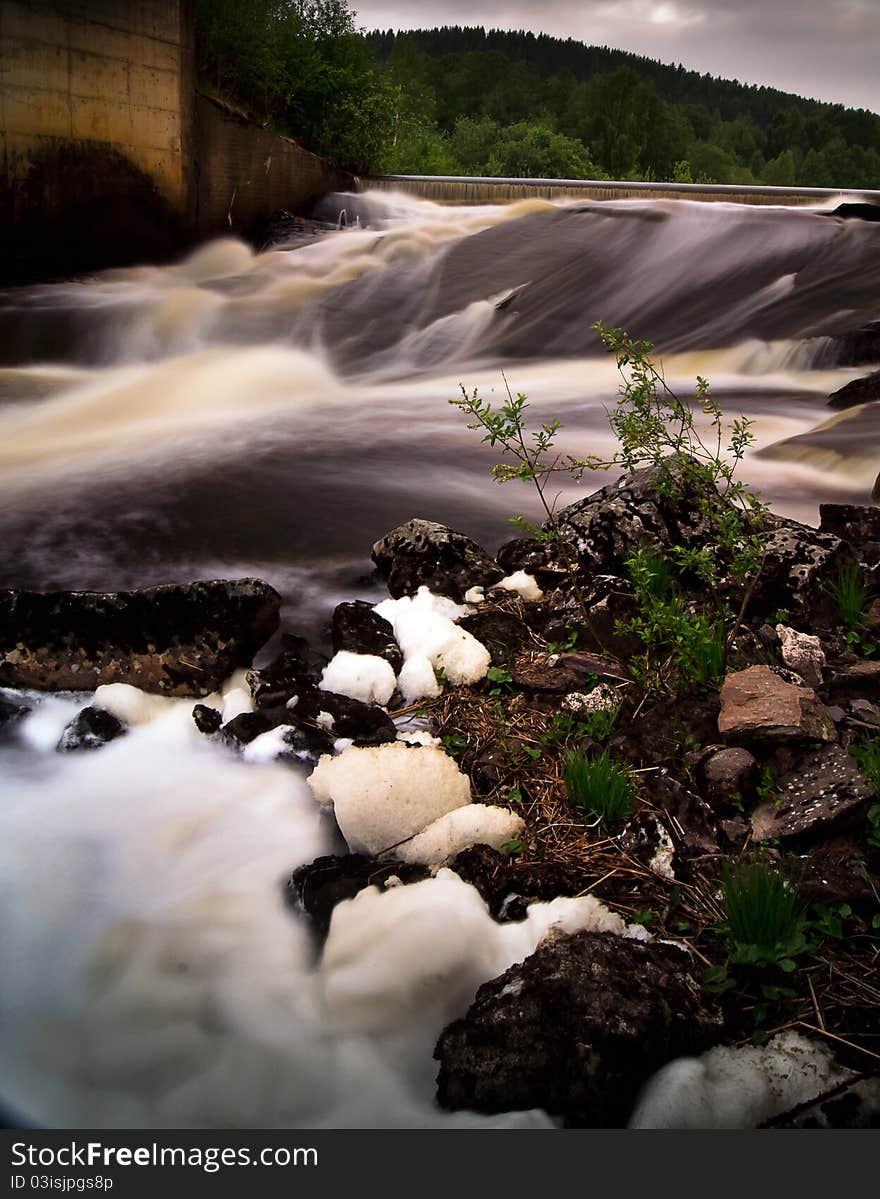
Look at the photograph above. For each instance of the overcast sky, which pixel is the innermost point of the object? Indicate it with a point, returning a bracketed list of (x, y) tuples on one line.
[(828, 49)]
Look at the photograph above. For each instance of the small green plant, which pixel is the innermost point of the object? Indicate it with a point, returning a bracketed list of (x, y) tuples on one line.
[(501, 680), (513, 849), (455, 744), (764, 921), (868, 757), (601, 787), (851, 595)]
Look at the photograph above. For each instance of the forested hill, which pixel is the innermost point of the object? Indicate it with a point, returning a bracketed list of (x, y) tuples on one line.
[(522, 103)]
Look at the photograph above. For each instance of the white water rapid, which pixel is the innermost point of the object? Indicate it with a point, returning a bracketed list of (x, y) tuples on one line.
[(272, 414)]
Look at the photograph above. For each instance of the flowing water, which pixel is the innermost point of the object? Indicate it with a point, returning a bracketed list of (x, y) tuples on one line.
[(272, 414)]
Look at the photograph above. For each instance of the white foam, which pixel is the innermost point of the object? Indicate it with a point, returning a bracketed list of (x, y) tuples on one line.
[(360, 676), (737, 1088), (384, 794)]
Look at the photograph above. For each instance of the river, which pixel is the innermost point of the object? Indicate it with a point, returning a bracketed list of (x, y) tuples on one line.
[(272, 414)]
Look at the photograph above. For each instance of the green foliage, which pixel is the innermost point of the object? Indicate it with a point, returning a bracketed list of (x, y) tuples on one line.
[(685, 643), (601, 787), (301, 65), (852, 597), (764, 921), (501, 680), (634, 117), (868, 757), (534, 461)]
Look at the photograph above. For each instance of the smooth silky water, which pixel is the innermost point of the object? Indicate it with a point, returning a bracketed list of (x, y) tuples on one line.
[(272, 414)]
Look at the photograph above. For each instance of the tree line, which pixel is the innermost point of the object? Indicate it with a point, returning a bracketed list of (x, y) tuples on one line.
[(466, 101)]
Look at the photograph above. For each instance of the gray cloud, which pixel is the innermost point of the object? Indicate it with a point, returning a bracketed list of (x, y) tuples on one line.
[(811, 47)]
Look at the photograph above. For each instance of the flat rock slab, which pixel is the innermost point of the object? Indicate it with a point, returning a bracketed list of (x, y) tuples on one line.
[(575, 1029), (823, 793), (177, 639), (757, 705)]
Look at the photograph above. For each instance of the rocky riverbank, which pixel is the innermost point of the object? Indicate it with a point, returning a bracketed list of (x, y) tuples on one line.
[(441, 736)]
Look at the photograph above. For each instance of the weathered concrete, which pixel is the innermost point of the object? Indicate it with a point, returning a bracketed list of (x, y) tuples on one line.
[(465, 189), (96, 126), (246, 173), (108, 156)]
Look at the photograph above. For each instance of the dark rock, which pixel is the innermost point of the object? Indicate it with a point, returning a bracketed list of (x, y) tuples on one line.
[(541, 559), (857, 347), (799, 565), (860, 391), (865, 711), (360, 630), (11, 712), (834, 872), (855, 523), (601, 665), (728, 773), (759, 706), (693, 821), (502, 633), (319, 886), (860, 680), (422, 552), (177, 639), (767, 635), (539, 674), (823, 794), (207, 720), (365, 724), (284, 676), (607, 527), (90, 729), (646, 839), (244, 728), (575, 1030), (509, 885)]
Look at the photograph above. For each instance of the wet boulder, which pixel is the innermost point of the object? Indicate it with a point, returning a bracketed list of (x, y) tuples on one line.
[(90, 729), (726, 774), (364, 724), (855, 523), (639, 511), (860, 391), (502, 633), (11, 712), (206, 719), (316, 888), (575, 1029), (357, 629), (177, 639), (799, 565), (425, 553)]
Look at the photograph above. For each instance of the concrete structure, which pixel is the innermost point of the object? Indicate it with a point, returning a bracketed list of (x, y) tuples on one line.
[(107, 155), (465, 189), (245, 173)]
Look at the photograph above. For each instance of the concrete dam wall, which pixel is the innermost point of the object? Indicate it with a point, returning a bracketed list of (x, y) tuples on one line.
[(108, 155), (464, 189)]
